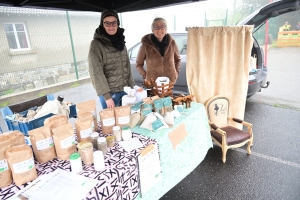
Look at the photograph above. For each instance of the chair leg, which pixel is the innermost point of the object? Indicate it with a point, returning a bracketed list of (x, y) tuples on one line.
[(224, 152), (249, 147)]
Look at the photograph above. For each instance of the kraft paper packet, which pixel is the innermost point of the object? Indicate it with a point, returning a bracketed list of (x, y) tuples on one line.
[(64, 141), (88, 115), (8, 140), (55, 121), (122, 114), (87, 106), (42, 144), (107, 120), (21, 162), (5, 172), (84, 129)]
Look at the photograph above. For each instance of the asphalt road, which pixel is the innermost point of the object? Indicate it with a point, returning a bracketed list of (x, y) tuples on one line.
[(272, 171)]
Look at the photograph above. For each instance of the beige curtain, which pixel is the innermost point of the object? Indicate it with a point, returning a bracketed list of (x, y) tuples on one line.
[(218, 63)]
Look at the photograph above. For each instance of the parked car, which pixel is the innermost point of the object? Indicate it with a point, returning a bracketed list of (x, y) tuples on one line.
[(257, 77)]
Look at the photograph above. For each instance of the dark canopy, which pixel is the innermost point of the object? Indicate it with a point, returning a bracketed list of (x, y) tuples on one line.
[(94, 5)]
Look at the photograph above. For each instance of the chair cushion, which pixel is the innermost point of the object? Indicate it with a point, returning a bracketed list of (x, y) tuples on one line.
[(234, 135)]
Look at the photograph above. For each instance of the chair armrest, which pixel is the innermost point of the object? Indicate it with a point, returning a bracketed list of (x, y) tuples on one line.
[(216, 128), (247, 124)]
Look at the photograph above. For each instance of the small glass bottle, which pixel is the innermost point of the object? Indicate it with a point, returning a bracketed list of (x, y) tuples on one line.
[(110, 141), (117, 133), (126, 133), (102, 144), (94, 138), (75, 161)]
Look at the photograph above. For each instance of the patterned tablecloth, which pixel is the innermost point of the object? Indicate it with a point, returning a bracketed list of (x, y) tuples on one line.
[(119, 180), (177, 163)]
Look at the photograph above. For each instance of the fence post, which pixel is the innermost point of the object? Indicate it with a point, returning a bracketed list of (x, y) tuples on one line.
[(72, 44)]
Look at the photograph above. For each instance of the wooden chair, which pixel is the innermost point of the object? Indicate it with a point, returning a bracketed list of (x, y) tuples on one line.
[(222, 134)]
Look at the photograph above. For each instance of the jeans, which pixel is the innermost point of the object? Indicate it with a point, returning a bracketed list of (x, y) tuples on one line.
[(116, 97)]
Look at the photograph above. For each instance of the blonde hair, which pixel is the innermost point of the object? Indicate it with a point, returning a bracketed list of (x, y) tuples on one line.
[(159, 19)]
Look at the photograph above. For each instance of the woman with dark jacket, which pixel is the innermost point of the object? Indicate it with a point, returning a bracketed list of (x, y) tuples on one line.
[(108, 59), (160, 52)]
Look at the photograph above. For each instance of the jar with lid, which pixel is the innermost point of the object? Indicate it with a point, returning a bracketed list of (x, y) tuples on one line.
[(99, 161), (102, 144), (110, 141), (86, 152), (75, 161), (126, 133), (117, 133), (94, 138)]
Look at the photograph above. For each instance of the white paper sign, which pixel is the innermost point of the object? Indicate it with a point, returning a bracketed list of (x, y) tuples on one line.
[(44, 144), (149, 168)]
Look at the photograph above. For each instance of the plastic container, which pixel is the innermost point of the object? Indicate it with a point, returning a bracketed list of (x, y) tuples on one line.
[(126, 133), (94, 138), (75, 161), (23, 107), (102, 144), (99, 161), (117, 133)]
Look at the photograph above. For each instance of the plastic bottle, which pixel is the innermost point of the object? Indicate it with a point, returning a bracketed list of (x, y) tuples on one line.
[(75, 160), (99, 161)]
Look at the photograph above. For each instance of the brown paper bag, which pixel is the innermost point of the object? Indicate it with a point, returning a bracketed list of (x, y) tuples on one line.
[(122, 114), (21, 162), (87, 115), (64, 141), (5, 172), (87, 106), (84, 129), (8, 140), (55, 121), (42, 144), (107, 120)]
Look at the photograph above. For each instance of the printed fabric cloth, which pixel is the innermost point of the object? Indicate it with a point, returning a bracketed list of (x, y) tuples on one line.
[(119, 180)]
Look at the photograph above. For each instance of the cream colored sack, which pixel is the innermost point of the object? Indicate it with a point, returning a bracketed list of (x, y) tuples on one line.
[(42, 144), (21, 162), (84, 129), (16, 138), (107, 120), (64, 141), (87, 106)]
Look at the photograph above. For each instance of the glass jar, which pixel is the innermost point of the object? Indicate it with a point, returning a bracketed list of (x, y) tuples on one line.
[(110, 141), (126, 133), (102, 144), (75, 161), (86, 152), (117, 133), (94, 138)]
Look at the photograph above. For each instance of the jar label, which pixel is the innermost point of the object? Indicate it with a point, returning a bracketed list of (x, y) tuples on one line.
[(124, 120), (3, 165), (109, 122), (44, 144), (86, 133), (23, 166), (67, 142)]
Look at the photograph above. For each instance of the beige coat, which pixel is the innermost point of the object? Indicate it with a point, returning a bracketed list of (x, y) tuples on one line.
[(158, 66)]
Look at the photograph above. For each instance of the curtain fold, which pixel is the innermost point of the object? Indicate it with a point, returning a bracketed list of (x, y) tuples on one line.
[(217, 62)]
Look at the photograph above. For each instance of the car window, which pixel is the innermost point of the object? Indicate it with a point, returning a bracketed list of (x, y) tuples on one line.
[(181, 41), (135, 50)]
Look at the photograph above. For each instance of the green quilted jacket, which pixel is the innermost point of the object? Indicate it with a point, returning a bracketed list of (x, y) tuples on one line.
[(109, 68)]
